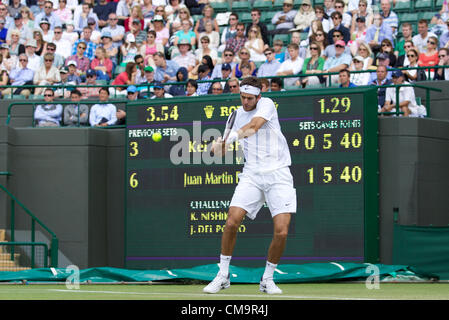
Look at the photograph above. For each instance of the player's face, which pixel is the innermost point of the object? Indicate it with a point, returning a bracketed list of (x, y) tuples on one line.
[(249, 101)]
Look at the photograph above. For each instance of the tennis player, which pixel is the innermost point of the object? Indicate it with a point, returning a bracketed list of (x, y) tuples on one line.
[(266, 177)]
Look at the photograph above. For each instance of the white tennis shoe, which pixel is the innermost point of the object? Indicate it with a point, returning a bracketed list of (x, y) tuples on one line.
[(268, 286), (219, 283)]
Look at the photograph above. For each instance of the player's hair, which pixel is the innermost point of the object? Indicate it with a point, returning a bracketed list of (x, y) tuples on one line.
[(251, 81)]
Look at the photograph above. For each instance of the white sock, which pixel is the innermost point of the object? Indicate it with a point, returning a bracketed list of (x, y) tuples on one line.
[(269, 270), (224, 264)]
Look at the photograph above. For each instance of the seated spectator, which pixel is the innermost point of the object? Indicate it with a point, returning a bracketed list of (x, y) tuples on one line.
[(34, 61), (129, 49), (145, 88), (338, 25), (63, 46), (322, 17), (216, 88), (90, 46), (359, 79), (330, 51), (412, 75), (3, 30), (429, 57), (8, 61), (82, 62), (62, 91), (229, 31), (15, 47), (87, 15), (256, 22), (317, 35), (76, 114), (344, 78), (381, 80), (245, 68), (173, 10), (136, 15), (63, 13), (214, 36), (407, 35), (47, 75), (291, 66), (191, 87), (358, 34), (265, 85), (205, 50), (27, 16), (178, 89), (279, 54), (276, 84), (341, 61), (304, 17), (407, 99), (20, 76), (386, 47), (270, 67), (244, 56), (103, 114), (58, 61), (47, 33), (140, 35), (442, 73), (185, 33), (162, 31), (364, 51), (203, 75), (108, 45), (124, 79), (377, 32), (70, 34), (48, 14), (116, 31), (41, 44), (233, 85), (312, 66), (185, 58), (90, 88), (226, 58), (19, 28), (165, 69), (283, 20), (238, 41), (102, 64), (255, 44), (208, 15), (159, 91), (72, 74), (420, 40), (362, 10), (48, 114)]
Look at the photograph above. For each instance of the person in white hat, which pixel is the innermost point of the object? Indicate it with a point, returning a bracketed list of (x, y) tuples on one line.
[(129, 49), (34, 61)]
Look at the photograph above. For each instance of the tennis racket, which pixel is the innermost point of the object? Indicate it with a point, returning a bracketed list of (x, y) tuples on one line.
[(228, 128)]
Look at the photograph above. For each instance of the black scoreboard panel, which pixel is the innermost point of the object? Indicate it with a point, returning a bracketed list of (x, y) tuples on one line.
[(178, 195)]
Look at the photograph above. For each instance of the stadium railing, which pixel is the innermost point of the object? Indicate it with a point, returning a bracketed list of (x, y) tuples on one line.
[(52, 254)]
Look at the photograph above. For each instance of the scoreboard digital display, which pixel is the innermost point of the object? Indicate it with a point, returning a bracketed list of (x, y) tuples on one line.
[(178, 194)]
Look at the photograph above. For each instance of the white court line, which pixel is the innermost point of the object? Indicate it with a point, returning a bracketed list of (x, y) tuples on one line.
[(259, 296)]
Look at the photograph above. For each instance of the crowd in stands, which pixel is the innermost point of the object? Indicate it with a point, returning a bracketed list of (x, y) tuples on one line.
[(135, 49)]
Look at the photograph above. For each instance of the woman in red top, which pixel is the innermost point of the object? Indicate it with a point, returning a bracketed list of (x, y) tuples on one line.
[(102, 64), (127, 78), (430, 56), (136, 13)]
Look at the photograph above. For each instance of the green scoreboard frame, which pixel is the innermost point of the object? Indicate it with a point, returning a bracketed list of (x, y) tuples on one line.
[(177, 201)]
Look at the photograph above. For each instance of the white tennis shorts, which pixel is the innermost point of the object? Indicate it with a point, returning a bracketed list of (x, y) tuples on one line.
[(275, 188)]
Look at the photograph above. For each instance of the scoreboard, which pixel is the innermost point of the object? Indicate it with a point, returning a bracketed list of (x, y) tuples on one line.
[(178, 194)]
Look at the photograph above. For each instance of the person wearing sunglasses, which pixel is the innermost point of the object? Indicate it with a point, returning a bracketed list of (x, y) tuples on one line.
[(412, 61), (337, 19), (49, 14), (283, 20), (304, 16), (48, 114), (48, 74), (420, 40), (429, 57), (270, 67)]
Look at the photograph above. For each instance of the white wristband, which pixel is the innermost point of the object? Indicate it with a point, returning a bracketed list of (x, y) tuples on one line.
[(233, 136)]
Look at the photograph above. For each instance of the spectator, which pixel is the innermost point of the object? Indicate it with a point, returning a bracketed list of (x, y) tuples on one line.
[(139, 34), (265, 85), (283, 20), (123, 10), (28, 18), (216, 88), (127, 78), (429, 57), (359, 79), (129, 49), (386, 47), (15, 47), (245, 68), (159, 91), (322, 17), (3, 30), (140, 78), (103, 114), (82, 62), (18, 28), (90, 46), (132, 95), (377, 32), (407, 35), (226, 58), (109, 47), (361, 11), (208, 15), (364, 51), (203, 75), (276, 84), (330, 51), (116, 31), (237, 42), (382, 60), (185, 33), (205, 50), (165, 69), (444, 38), (69, 33), (226, 71), (58, 61), (47, 33), (87, 16), (14, 7), (278, 46), (255, 21), (173, 11), (270, 67), (358, 34), (442, 15), (48, 114), (61, 92), (20, 76), (145, 89), (34, 61), (402, 59), (389, 17), (442, 73), (103, 9), (407, 99), (304, 17), (41, 44), (72, 74), (191, 87), (255, 44), (244, 56), (346, 17), (381, 80), (344, 78), (47, 74), (4, 15), (48, 13), (185, 58), (341, 61), (312, 66), (234, 85), (76, 114), (150, 48), (412, 75), (337, 21), (8, 62), (96, 34), (102, 65), (178, 89), (420, 40), (229, 31), (162, 32), (195, 6), (214, 36), (63, 13), (63, 46), (291, 66)]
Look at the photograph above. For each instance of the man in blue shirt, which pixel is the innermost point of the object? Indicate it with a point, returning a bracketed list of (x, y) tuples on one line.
[(340, 61), (203, 74), (165, 69), (3, 30), (49, 14), (270, 67), (344, 79), (377, 32), (22, 75), (90, 46)]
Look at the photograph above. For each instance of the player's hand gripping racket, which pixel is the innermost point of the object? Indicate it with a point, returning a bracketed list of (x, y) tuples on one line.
[(228, 129)]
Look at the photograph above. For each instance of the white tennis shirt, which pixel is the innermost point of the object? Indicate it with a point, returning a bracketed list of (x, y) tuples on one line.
[(267, 149)]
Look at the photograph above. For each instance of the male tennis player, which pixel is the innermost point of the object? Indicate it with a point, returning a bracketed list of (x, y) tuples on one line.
[(266, 178)]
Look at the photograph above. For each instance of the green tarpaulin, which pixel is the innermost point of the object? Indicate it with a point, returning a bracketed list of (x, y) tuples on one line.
[(288, 273)]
